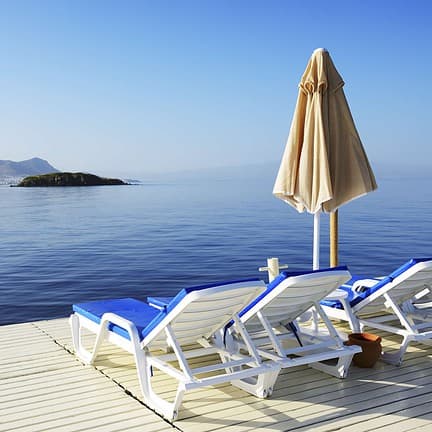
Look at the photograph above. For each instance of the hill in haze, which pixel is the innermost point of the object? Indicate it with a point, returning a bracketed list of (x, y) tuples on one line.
[(25, 168), (68, 179)]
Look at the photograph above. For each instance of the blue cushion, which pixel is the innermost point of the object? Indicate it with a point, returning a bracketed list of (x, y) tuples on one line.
[(144, 317), (355, 297)]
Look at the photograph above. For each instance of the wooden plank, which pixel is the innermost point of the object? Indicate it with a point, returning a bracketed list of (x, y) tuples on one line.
[(320, 389), (81, 419), (369, 414), (304, 399), (413, 418), (43, 388), (74, 372)]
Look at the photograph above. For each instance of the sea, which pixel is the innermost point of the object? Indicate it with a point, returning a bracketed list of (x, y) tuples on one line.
[(66, 245)]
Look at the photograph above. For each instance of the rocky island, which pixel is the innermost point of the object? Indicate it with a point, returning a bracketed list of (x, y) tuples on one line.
[(68, 179)]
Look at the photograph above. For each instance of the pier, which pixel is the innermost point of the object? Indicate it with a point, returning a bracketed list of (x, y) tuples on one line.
[(44, 387)]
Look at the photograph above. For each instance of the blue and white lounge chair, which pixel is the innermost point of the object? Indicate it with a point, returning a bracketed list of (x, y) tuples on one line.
[(193, 316), (379, 303), (271, 320)]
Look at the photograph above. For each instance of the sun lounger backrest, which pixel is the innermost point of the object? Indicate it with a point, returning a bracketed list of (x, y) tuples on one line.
[(292, 294), (201, 311), (402, 285)]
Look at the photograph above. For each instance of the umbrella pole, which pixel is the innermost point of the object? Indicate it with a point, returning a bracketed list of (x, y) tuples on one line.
[(316, 241), (334, 261)]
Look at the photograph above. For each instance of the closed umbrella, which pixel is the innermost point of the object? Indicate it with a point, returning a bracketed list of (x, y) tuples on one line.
[(324, 164)]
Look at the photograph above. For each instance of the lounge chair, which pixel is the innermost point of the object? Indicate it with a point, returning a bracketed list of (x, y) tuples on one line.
[(271, 319), (273, 322), (380, 303), (193, 316)]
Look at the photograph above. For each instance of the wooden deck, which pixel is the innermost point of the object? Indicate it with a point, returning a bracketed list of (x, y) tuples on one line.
[(43, 387)]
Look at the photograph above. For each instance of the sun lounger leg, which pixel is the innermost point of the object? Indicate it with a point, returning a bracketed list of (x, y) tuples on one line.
[(84, 355), (260, 386), (167, 409), (339, 370), (351, 318), (397, 357)]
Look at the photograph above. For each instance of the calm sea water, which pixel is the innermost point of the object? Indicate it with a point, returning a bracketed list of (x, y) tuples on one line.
[(64, 245)]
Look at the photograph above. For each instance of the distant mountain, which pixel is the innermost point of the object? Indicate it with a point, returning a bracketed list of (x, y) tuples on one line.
[(25, 168)]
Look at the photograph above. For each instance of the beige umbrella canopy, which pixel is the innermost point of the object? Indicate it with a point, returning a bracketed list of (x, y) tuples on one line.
[(324, 164)]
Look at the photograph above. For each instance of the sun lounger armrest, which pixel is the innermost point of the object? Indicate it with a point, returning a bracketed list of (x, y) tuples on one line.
[(363, 284), (129, 326), (159, 302)]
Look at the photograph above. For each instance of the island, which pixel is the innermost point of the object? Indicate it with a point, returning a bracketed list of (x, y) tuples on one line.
[(68, 179)]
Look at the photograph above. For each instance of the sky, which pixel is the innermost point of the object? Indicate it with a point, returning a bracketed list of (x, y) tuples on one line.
[(138, 87)]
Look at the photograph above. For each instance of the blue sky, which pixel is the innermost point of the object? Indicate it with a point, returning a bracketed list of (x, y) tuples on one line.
[(135, 87)]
